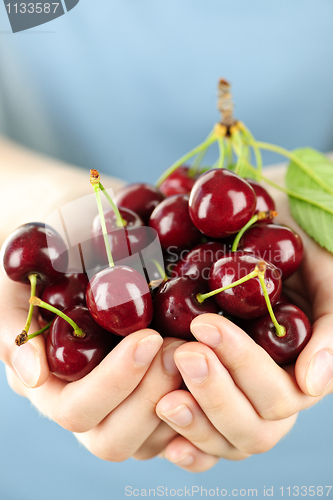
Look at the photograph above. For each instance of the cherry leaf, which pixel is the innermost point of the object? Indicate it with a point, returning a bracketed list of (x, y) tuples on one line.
[(312, 180)]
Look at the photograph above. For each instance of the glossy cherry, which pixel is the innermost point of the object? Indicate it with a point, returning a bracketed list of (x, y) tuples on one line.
[(119, 300), (140, 198), (70, 357), (69, 291), (198, 261), (179, 182), (176, 305), (247, 299), (124, 241), (172, 222), (275, 243), (265, 202), (284, 350), (221, 203), (34, 248)]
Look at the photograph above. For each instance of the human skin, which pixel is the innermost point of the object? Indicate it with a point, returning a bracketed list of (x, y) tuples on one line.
[(231, 379), (101, 415)]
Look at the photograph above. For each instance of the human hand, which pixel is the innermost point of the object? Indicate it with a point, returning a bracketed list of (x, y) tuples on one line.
[(240, 402), (112, 409)]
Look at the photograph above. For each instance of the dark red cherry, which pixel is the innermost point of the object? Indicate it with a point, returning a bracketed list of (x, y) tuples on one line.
[(275, 243), (124, 241), (34, 248), (172, 222), (119, 300), (70, 357), (283, 350), (265, 202), (176, 305), (283, 299), (69, 291), (198, 261), (139, 198), (221, 203), (247, 299), (179, 182)]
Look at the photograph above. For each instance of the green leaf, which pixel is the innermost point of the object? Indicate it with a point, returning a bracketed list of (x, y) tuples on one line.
[(313, 210)]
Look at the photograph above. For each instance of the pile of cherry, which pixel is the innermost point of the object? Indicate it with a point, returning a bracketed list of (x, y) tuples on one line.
[(222, 254)]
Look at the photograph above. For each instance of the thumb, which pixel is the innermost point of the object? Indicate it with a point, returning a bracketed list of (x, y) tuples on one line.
[(314, 365)]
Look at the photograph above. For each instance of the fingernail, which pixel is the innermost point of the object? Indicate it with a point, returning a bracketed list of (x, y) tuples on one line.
[(26, 363), (320, 372), (193, 365), (183, 461), (147, 349), (181, 416), (207, 334), (167, 358)]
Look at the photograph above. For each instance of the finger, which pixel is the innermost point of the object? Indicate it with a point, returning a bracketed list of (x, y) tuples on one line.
[(181, 411), (128, 426), (14, 382), (275, 395), (81, 405), (28, 361), (314, 365), (185, 455), (156, 442), (225, 405)]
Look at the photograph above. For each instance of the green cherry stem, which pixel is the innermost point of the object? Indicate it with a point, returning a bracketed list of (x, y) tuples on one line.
[(211, 139), (257, 153), (95, 182), (270, 214), (291, 193), (203, 296), (221, 145), (33, 282), (23, 338), (280, 329), (40, 303), (199, 158), (119, 220), (293, 158), (160, 269)]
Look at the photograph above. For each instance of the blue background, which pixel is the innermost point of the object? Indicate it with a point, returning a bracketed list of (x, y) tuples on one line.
[(127, 87)]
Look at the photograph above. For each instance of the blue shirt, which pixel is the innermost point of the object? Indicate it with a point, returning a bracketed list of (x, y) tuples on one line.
[(128, 87)]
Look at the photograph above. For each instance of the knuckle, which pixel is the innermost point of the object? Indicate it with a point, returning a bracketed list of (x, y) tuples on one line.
[(263, 442), (67, 419), (109, 453)]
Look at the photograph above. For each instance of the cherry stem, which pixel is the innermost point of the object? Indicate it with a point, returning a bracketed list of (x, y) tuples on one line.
[(198, 159), (270, 214), (33, 282), (280, 329), (120, 222), (224, 103), (220, 142), (23, 338), (44, 305), (95, 182), (293, 158), (203, 296), (160, 269), (210, 140), (257, 153), (291, 193)]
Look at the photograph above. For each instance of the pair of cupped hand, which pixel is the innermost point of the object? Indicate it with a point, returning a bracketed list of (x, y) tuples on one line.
[(134, 404)]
